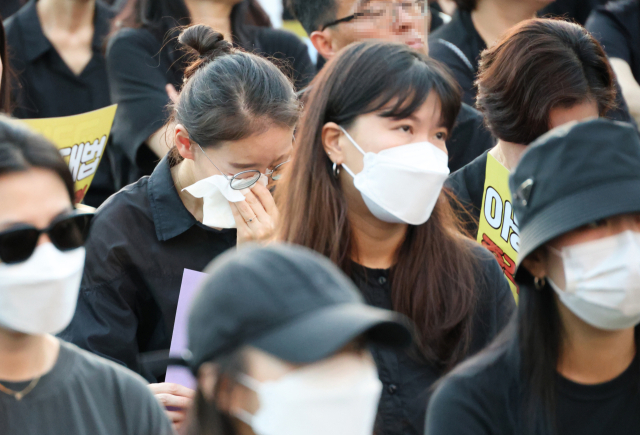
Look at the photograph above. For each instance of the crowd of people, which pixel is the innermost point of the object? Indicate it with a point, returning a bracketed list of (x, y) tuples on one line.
[(339, 210)]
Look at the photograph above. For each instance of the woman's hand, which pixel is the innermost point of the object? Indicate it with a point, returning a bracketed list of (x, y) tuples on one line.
[(256, 217), (176, 400)]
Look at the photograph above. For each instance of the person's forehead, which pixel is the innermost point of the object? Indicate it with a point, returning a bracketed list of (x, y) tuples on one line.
[(346, 7)]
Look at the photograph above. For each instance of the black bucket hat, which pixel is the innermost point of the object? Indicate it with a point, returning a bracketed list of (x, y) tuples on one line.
[(574, 175), (286, 300)]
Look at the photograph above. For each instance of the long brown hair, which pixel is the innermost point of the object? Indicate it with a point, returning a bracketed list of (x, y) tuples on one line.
[(433, 281)]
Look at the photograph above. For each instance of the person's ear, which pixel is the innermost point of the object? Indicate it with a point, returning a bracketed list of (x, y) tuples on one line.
[(323, 42), (331, 134), (536, 263), (183, 143)]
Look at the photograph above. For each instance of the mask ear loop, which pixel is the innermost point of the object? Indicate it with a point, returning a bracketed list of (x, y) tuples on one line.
[(346, 168), (242, 414)]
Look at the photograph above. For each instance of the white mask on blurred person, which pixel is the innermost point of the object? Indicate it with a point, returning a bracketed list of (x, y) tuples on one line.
[(337, 397), (39, 295), (603, 281), (401, 184), (216, 193)]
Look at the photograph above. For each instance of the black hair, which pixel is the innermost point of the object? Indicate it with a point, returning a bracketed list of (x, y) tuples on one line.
[(161, 17), (313, 14), (230, 94), (206, 416), (22, 150)]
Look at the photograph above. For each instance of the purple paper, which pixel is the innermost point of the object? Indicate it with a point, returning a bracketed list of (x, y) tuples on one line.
[(191, 281)]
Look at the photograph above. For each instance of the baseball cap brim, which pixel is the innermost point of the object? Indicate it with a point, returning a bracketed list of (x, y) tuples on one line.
[(572, 212), (319, 335)]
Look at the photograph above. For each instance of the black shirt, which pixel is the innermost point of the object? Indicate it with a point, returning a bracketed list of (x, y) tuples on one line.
[(140, 242), (467, 184), (469, 138), (140, 66), (577, 10), (81, 395), (46, 87), (617, 27), (482, 399), (407, 380), (458, 45)]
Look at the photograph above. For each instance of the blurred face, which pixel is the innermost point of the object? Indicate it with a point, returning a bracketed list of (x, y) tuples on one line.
[(262, 152), (402, 21), (374, 133), (261, 368)]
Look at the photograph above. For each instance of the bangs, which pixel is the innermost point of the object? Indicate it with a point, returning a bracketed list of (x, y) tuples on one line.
[(405, 93)]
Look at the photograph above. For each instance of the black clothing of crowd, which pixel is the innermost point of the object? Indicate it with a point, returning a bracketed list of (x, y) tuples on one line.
[(144, 237)]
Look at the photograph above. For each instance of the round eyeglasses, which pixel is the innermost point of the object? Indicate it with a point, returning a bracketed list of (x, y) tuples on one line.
[(246, 179)]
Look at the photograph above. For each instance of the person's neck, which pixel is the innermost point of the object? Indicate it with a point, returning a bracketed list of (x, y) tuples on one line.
[(25, 357), (508, 154), (213, 14), (592, 356), (183, 176), (67, 15), (492, 18), (375, 242)]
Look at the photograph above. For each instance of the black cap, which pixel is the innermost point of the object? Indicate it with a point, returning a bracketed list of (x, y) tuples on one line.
[(286, 300), (574, 175)]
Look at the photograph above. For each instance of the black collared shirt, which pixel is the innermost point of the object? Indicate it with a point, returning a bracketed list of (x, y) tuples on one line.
[(459, 45), (140, 242), (46, 87), (406, 379)]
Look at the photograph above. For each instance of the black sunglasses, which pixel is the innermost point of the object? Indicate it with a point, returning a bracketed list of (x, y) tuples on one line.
[(66, 232)]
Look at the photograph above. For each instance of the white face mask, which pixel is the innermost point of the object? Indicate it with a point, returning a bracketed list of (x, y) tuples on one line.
[(338, 397), (39, 296), (216, 193), (401, 184), (603, 281)]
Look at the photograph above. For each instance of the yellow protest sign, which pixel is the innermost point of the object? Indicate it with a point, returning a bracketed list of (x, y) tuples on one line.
[(498, 227), (81, 140)]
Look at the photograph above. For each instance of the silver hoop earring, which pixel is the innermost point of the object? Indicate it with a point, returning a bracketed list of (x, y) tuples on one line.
[(539, 283), (336, 170)]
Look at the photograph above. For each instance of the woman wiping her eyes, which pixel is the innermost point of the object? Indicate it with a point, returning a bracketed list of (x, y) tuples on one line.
[(233, 133), (365, 190)]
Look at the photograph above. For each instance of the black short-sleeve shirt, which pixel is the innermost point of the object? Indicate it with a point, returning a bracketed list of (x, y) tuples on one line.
[(140, 242), (406, 378), (140, 66), (483, 399), (617, 27), (45, 87)]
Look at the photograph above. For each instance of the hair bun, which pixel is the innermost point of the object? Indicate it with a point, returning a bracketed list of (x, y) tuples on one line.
[(205, 43)]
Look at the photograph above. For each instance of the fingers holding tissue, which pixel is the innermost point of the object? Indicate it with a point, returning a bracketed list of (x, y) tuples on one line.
[(256, 216)]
